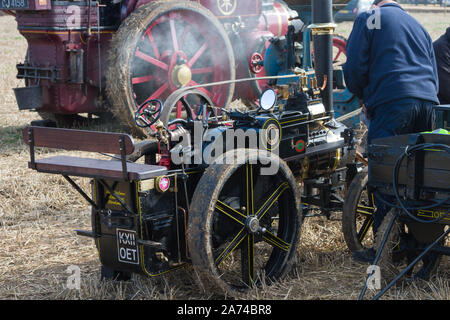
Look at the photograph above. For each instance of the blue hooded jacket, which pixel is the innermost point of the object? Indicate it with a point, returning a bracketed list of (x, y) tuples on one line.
[(442, 51), (390, 56)]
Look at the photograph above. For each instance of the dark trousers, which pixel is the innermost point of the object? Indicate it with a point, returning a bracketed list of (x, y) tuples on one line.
[(397, 118)]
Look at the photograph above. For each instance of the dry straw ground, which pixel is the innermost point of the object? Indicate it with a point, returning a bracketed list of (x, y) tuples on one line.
[(39, 212)]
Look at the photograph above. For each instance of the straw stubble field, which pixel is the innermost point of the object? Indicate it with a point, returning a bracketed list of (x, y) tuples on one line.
[(39, 212)]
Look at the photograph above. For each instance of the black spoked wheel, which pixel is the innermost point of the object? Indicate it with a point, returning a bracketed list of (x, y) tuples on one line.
[(357, 217), (244, 225)]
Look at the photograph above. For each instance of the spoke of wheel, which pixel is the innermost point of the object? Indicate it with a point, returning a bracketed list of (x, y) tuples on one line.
[(139, 54), (174, 35), (249, 189), (231, 247), (368, 222), (271, 200), (143, 79), (202, 70), (338, 55), (153, 44), (248, 260), (368, 211), (184, 35), (197, 55), (159, 92), (179, 108), (275, 241), (230, 212), (371, 197), (205, 91)]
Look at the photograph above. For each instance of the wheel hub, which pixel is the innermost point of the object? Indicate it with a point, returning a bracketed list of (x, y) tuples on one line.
[(181, 75), (252, 224)]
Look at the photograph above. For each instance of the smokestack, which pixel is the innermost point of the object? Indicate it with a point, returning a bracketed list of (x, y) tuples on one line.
[(322, 29)]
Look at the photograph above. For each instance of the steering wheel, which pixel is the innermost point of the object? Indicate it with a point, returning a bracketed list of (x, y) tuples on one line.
[(148, 113)]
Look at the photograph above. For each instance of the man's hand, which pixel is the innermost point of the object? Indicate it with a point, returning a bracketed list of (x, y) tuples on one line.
[(365, 110), (363, 106)]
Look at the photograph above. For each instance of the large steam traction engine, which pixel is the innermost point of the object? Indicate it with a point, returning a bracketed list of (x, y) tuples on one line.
[(96, 56), (99, 57), (235, 214)]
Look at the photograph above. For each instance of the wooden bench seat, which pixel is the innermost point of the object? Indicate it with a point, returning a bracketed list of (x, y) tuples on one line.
[(94, 168), (88, 141)]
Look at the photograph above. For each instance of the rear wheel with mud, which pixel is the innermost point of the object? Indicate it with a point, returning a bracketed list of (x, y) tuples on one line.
[(244, 225)]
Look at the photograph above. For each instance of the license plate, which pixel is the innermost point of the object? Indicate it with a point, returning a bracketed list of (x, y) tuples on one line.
[(127, 248), (13, 4)]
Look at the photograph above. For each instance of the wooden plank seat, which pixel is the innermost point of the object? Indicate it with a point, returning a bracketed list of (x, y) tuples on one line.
[(79, 140), (94, 168)]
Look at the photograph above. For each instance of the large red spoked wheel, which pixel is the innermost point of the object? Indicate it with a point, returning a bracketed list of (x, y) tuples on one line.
[(163, 46), (339, 49)]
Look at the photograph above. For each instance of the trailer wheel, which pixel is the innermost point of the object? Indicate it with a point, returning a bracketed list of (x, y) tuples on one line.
[(243, 225), (163, 46), (402, 247), (357, 213)]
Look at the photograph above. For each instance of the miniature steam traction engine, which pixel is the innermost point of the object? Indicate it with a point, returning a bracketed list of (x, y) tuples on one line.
[(234, 213)]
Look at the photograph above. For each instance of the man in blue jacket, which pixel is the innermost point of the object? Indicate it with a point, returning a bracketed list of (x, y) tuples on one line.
[(391, 68), (442, 51)]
